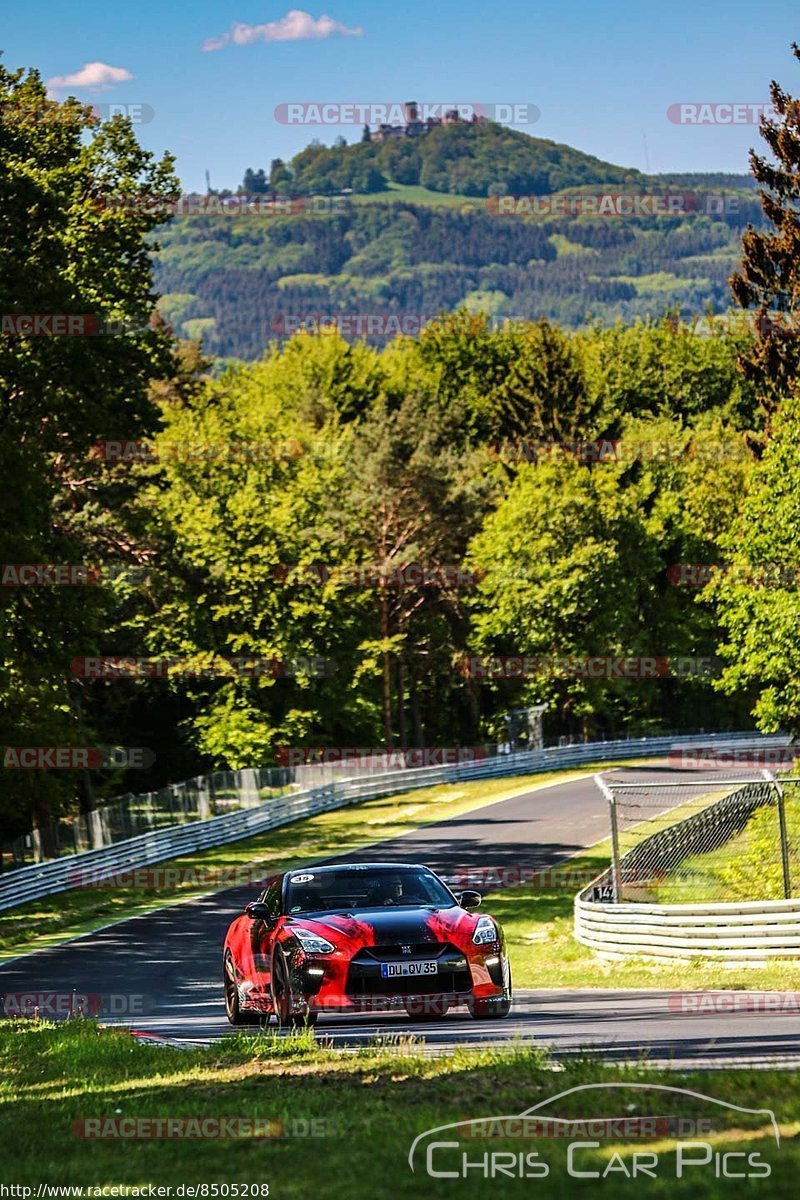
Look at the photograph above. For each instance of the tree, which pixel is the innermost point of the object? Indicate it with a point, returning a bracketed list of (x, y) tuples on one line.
[(565, 560), (280, 177), (543, 395), (758, 596), (78, 201), (769, 277), (414, 502)]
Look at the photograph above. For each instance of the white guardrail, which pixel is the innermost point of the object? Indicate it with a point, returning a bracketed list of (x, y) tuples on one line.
[(738, 932), (70, 871)]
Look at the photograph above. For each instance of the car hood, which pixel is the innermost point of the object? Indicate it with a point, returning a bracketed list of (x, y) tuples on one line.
[(381, 926)]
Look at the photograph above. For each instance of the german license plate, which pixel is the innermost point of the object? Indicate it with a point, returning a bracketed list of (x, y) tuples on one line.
[(390, 970)]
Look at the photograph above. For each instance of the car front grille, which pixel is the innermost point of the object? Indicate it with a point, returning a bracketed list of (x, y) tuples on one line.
[(407, 951), (364, 975)]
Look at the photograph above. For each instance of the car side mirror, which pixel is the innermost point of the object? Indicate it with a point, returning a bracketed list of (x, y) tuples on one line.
[(469, 900), (258, 911)]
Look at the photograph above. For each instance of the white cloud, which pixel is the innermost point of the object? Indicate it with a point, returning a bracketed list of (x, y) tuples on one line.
[(296, 26), (92, 77)]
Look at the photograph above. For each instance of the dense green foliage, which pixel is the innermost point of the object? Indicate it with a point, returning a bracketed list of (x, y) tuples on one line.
[(62, 252), (397, 457)]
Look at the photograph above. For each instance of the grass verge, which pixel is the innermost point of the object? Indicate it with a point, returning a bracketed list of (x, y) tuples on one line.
[(366, 1111)]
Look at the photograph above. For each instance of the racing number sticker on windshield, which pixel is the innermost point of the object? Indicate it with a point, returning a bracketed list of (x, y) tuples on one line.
[(302, 878)]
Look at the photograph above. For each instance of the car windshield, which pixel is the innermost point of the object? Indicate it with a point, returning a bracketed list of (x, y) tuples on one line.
[(351, 888)]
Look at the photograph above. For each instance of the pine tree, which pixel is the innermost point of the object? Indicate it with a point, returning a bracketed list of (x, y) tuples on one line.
[(769, 277)]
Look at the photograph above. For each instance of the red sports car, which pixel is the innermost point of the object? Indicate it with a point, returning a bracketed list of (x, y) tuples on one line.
[(363, 938)]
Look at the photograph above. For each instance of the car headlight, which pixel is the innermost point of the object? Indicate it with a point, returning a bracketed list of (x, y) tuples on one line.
[(485, 931), (312, 943)]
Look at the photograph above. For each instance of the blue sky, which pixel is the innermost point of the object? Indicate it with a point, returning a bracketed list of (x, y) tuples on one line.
[(602, 73)]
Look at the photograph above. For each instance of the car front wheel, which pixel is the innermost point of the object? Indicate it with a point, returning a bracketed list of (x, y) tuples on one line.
[(493, 1009), (233, 1009), (286, 1007), (487, 1010)]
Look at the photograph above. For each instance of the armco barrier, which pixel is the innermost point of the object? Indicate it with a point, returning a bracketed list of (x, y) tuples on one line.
[(62, 874), (742, 933)]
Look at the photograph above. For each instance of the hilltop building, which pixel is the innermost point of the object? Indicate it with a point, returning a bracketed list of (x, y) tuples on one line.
[(415, 126)]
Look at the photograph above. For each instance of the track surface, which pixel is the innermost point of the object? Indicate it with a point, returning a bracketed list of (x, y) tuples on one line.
[(169, 961)]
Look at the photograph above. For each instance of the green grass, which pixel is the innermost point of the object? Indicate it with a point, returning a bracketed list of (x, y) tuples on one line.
[(369, 1107), (56, 918), (415, 194)]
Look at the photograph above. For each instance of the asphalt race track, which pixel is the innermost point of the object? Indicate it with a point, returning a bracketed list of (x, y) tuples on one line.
[(169, 961)]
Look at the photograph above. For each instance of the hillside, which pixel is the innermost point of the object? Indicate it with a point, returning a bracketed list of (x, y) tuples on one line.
[(243, 281), (470, 160)]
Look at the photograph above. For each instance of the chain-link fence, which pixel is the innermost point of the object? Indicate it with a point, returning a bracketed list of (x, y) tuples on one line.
[(202, 797), (698, 841)]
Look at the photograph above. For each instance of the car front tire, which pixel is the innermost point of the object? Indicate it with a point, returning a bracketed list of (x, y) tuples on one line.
[(283, 998), (494, 1009), (488, 1010), (233, 1010)]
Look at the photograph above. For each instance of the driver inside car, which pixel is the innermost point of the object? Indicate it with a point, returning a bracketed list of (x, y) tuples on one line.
[(385, 891)]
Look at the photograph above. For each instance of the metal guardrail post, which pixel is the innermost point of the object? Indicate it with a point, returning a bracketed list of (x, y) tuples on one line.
[(787, 882), (616, 878)]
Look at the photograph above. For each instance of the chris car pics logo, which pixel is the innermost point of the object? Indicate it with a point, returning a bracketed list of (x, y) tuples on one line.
[(536, 1143)]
